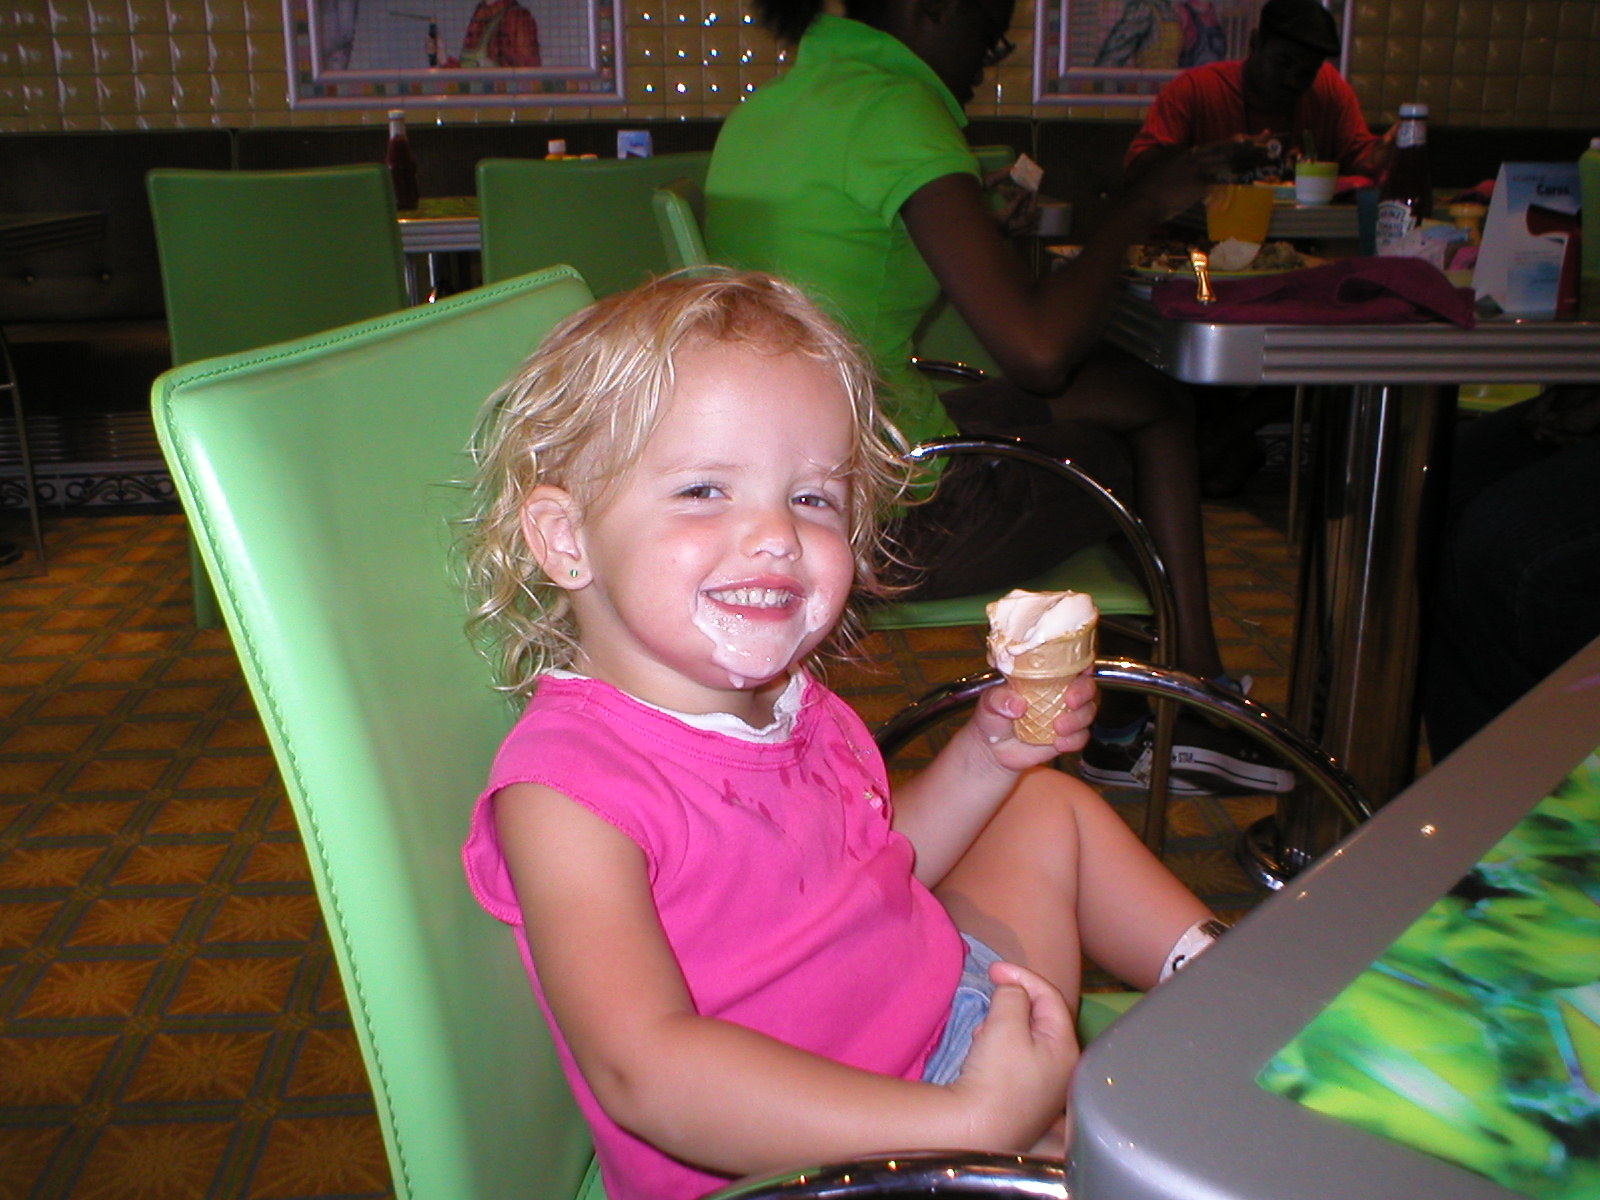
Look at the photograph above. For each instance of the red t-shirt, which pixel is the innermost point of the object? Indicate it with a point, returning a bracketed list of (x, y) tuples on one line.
[(1206, 104)]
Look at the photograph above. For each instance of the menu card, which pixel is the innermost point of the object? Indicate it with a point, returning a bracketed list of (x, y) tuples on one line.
[(1529, 239)]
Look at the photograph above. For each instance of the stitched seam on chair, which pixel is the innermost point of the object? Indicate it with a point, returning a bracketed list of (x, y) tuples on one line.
[(315, 831), (201, 511)]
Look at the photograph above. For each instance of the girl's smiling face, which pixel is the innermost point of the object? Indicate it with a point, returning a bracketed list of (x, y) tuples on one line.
[(722, 557)]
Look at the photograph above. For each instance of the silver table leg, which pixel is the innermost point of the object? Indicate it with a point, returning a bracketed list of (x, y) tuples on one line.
[(1356, 653), (8, 384)]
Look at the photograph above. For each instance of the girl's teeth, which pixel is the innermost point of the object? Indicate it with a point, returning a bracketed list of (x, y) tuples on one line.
[(752, 597)]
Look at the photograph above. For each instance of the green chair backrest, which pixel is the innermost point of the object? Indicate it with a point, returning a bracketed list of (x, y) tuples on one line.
[(594, 214), (1096, 569), (249, 258), (317, 476), (680, 208)]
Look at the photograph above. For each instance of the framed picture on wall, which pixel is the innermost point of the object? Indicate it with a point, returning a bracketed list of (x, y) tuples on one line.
[(387, 53), (1120, 52)]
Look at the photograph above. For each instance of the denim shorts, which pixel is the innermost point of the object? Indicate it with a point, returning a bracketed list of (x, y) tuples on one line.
[(968, 1007)]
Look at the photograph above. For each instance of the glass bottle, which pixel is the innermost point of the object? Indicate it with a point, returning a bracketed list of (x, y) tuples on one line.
[(402, 167), (1406, 198)]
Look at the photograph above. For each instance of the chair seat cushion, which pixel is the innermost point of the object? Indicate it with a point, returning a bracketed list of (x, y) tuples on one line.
[(1097, 570)]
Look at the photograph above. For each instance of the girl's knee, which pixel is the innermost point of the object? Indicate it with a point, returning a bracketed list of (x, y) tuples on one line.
[(1046, 808)]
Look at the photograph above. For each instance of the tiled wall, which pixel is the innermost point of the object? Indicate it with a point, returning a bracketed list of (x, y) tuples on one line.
[(135, 64)]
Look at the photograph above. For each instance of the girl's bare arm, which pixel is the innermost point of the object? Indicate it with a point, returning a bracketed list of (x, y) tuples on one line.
[(946, 806), (1039, 329), (715, 1093)]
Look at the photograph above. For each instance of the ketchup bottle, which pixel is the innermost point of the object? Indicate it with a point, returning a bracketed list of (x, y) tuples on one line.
[(1406, 198), (402, 167)]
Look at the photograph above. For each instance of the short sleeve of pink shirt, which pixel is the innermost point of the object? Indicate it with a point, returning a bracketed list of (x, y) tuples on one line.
[(786, 896)]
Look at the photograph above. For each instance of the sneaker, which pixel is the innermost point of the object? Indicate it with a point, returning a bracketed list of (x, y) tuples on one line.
[(1224, 761), (1206, 761), (1126, 764)]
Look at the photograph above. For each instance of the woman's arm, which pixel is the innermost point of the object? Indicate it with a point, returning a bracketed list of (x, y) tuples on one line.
[(1037, 330), (714, 1093), (946, 806)]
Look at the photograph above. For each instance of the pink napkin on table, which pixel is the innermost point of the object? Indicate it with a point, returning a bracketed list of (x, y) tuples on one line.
[(1351, 291)]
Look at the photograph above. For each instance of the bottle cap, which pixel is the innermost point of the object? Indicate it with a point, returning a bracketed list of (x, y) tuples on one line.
[(1413, 110)]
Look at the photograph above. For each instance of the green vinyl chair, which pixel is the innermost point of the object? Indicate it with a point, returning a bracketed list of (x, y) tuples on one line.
[(1138, 603), (350, 634), (318, 478), (593, 214), (249, 258)]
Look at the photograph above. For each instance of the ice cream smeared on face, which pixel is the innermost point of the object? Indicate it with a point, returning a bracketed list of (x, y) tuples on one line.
[(1041, 642), (757, 632)]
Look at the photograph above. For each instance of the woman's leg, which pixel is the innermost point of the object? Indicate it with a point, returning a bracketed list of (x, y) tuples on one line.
[(1155, 416), (1057, 874)]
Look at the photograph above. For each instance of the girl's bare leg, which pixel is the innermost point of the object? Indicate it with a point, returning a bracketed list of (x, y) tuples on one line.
[(1056, 874)]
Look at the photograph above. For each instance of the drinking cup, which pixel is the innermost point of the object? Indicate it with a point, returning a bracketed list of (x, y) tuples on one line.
[(1238, 210), (1314, 182)]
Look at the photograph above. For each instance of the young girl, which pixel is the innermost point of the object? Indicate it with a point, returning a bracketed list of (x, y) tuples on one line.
[(749, 956)]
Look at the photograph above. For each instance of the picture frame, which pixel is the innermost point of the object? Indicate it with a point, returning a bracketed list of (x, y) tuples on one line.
[(1119, 53), (477, 53)]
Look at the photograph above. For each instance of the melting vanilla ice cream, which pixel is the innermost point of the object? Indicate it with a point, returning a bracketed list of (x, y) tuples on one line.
[(1020, 621)]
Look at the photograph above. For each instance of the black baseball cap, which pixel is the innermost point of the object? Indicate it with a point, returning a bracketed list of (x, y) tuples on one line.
[(1302, 21)]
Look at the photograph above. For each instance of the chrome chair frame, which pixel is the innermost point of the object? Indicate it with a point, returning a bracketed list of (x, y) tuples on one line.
[(918, 1173), (1120, 674), (1157, 587)]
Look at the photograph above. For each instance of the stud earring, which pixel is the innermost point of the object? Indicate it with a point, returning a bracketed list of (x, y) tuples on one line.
[(572, 572)]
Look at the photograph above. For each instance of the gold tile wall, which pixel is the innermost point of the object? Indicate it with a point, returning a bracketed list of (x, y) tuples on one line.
[(145, 64)]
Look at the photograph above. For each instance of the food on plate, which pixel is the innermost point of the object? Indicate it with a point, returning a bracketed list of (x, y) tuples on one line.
[(1227, 256)]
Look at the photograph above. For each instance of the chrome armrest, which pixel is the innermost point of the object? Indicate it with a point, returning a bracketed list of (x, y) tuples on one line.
[(916, 1173), (1303, 755), (949, 369)]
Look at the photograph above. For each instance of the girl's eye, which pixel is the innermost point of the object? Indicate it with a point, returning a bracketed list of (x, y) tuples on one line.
[(700, 491), (817, 500)]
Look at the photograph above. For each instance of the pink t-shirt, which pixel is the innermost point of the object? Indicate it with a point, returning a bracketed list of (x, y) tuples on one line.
[(786, 896)]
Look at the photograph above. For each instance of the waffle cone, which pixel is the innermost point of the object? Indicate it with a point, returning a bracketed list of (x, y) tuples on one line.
[(1042, 674)]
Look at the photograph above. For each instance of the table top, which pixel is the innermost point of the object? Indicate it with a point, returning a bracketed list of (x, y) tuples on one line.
[(31, 232), (440, 224), (1499, 351), (1166, 1101)]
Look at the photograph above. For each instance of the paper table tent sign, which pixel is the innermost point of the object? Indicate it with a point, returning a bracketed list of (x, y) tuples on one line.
[(1529, 239)]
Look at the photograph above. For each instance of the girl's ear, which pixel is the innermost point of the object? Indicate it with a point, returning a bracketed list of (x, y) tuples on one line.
[(550, 527)]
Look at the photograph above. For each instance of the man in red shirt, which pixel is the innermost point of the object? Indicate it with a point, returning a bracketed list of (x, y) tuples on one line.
[(1283, 90), (500, 33)]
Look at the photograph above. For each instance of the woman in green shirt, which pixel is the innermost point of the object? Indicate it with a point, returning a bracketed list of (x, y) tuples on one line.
[(851, 176)]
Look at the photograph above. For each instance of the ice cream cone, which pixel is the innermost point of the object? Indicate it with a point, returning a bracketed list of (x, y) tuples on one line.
[(1042, 674)]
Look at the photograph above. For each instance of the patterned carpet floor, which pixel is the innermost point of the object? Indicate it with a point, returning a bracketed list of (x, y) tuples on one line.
[(171, 1021)]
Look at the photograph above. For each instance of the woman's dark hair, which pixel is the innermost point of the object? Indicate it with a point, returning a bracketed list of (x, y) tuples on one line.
[(787, 20)]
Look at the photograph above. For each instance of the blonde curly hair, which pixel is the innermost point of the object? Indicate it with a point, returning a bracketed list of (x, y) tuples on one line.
[(580, 409)]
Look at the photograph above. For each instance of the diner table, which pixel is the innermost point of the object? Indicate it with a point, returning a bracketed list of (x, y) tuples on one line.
[(1383, 396), (439, 225)]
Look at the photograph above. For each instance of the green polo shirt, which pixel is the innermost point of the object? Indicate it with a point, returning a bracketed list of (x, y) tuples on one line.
[(807, 181)]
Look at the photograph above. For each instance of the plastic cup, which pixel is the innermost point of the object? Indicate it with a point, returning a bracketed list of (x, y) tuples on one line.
[(1314, 182), (1238, 210)]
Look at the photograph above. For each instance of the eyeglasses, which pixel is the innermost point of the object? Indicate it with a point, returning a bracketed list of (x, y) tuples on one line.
[(998, 51)]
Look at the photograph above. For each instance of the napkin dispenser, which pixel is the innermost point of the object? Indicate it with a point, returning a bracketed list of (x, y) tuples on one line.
[(1528, 259)]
